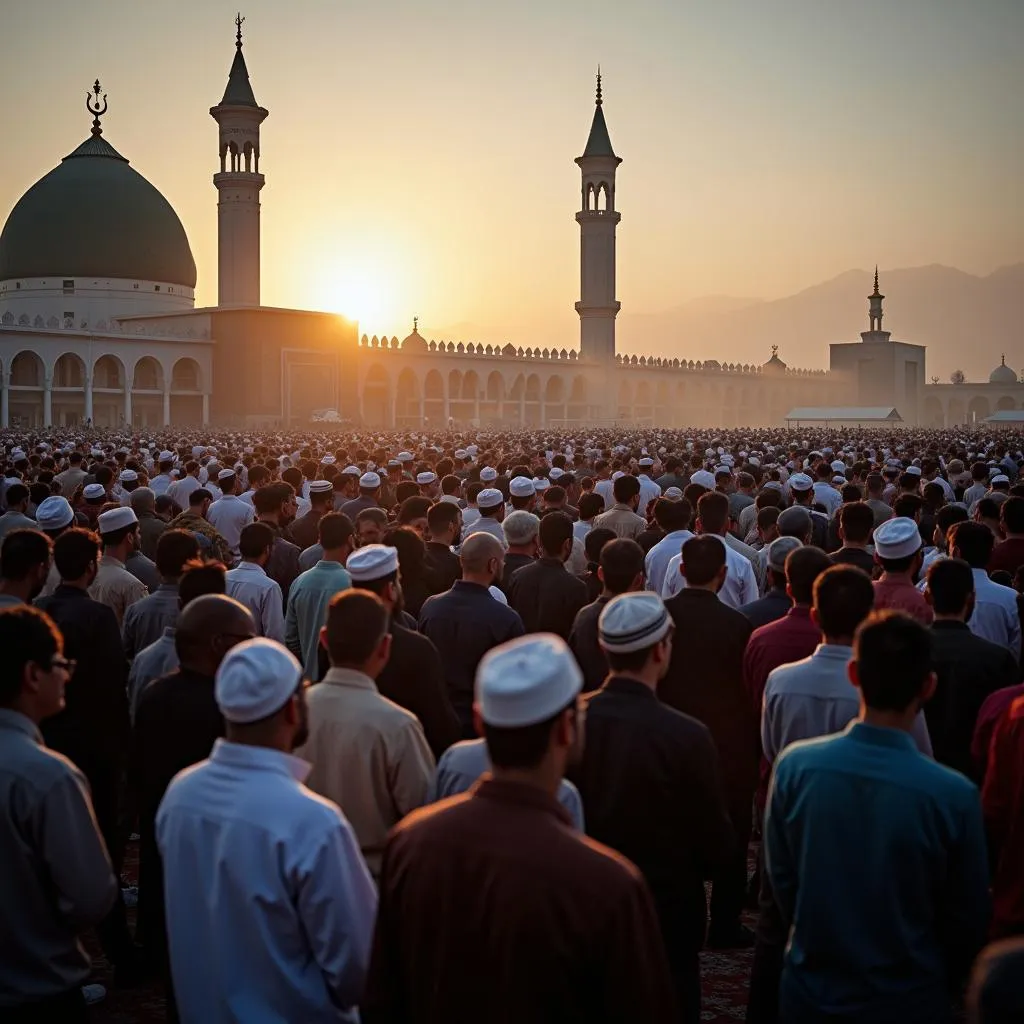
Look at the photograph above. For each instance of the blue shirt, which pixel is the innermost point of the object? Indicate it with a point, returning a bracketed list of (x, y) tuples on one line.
[(462, 764), (270, 906), (877, 860), (308, 599)]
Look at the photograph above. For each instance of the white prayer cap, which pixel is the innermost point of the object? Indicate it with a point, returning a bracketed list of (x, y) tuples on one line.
[(54, 513), (672, 493), (96, 453), (838, 466), (497, 595), (521, 487), (555, 473), (129, 476), (723, 471), (320, 486), (255, 680), (460, 453), (754, 461), (897, 538), (1000, 478), (839, 479), (913, 470), (647, 461), (404, 456), (540, 484), (94, 491), (617, 474), (225, 474), (471, 449), (328, 460), (526, 681), (633, 622), (490, 497), (351, 471), (779, 550), (800, 482), (704, 478), (116, 519), (372, 562), (425, 478), (394, 464), (166, 456), (488, 473), (370, 481)]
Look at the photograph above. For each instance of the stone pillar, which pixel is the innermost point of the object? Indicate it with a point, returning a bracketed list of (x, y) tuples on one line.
[(88, 398), (47, 401), (447, 408), (5, 397), (206, 408), (522, 409), (127, 406), (421, 412), (167, 408)]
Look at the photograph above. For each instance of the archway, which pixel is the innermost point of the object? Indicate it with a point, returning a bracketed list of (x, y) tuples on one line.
[(433, 398), (407, 400), (108, 379), (26, 390), (625, 410), (957, 413), (148, 393), (68, 391), (934, 416), (1005, 403), (376, 397), (978, 409), (532, 396), (492, 410), (186, 391)]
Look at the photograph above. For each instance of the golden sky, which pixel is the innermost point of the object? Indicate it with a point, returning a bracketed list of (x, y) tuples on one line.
[(418, 156)]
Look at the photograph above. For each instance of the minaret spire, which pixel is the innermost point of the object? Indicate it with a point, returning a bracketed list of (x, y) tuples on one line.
[(238, 30), (598, 85), (96, 107), (876, 279)]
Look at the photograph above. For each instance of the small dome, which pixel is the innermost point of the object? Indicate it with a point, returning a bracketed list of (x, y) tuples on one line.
[(1002, 374), (414, 342), (94, 216), (775, 364)]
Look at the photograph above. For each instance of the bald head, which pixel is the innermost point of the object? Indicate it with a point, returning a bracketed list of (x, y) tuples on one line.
[(478, 551), (143, 500), (208, 628)]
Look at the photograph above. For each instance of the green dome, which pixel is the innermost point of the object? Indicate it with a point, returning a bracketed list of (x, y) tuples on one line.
[(94, 216)]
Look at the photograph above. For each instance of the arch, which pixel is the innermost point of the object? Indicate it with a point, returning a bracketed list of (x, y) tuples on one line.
[(27, 370), (578, 390), (433, 386), (933, 412), (69, 371), (148, 375), (643, 393), (533, 388), (377, 396), (1006, 402), (248, 157), (518, 389), (470, 386), (495, 386), (108, 374), (978, 409), (186, 375), (454, 383), (957, 415), (554, 389), (407, 398)]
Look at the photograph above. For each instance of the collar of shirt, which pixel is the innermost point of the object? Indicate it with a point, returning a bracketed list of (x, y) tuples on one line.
[(468, 587), (521, 794), (250, 758), (11, 719), (880, 736), (111, 560), (833, 652), (68, 591), (799, 611), (244, 566), (328, 566), (551, 562), (950, 625), (349, 677), (629, 687)]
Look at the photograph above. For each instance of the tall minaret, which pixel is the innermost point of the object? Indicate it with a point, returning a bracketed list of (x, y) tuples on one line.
[(597, 219), (238, 186), (875, 332)]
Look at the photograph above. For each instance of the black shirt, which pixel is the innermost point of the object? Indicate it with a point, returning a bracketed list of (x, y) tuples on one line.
[(857, 557), (512, 562), (770, 608), (444, 566), (583, 643), (547, 597)]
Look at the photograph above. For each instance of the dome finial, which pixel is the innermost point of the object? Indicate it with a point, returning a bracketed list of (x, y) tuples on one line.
[(599, 85), (238, 30), (1003, 359), (415, 325), (876, 278), (96, 107)]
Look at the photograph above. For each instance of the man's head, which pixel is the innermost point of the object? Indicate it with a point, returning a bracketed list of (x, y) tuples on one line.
[(803, 567), (627, 491), (950, 589), (621, 566), (33, 670), (255, 543), (208, 628), (336, 536), (843, 598), (594, 542), (590, 505), (370, 526), (356, 634), (17, 498), (25, 563), (779, 551), (898, 546), (143, 501), (527, 706), (673, 516), (973, 542), (482, 558), (635, 632), (321, 495), (173, 549), (795, 522), (260, 691), (713, 513), (521, 529), (556, 536), (199, 501), (703, 563), (444, 523), (1011, 516), (76, 553), (856, 521), (200, 577), (892, 663), (413, 513), (945, 519)]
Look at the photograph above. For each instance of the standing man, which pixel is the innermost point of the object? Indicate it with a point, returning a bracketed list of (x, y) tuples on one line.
[(114, 585), (544, 909), (674, 518), (194, 520), (444, 523), (270, 906), (369, 492), (151, 526), (275, 505), (321, 501), (776, 601), (16, 518), (621, 517), (521, 529), (369, 755), (312, 592), (24, 567), (650, 785), (249, 584), (898, 551), (229, 515), (899, 935), (57, 880)]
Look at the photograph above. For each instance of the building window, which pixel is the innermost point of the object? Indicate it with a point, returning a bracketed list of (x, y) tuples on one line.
[(156, 287), (17, 285), (69, 287), (136, 286), (69, 316)]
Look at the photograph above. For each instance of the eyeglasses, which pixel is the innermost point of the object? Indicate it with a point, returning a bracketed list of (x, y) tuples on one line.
[(65, 663)]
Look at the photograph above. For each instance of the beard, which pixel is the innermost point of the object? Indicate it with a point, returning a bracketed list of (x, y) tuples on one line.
[(399, 605)]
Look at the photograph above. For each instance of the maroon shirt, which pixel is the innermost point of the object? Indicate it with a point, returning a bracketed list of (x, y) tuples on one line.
[(992, 709), (1009, 555), (901, 595), (492, 907)]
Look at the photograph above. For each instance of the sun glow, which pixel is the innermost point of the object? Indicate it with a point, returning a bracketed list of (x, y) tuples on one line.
[(358, 294)]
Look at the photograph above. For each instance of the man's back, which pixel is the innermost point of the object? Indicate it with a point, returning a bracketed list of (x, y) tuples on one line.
[(308, 601), (877, 859), (228, 516), (547, 597), (583, 642), (270, 907), (491, 900)]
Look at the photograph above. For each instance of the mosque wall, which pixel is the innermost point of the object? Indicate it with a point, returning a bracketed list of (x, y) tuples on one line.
[(952, 405)]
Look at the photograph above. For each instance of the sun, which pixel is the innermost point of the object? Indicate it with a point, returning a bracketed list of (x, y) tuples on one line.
[(359, 295)]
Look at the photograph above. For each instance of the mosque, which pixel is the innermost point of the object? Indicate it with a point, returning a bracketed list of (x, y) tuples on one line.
[(98, 324)]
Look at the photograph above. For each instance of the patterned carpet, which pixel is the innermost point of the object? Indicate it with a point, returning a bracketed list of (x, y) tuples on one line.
[(725, 976)]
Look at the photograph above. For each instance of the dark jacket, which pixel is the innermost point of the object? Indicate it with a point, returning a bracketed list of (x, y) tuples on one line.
[(512, 563), (649, 780), (95, 715), (705, 680), (283, 564), (547, 597), (444, 566), (767, 609), (305, 530), (583, 643), (969, 668)]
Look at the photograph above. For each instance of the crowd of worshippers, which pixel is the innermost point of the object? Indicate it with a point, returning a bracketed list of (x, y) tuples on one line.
[(512, 726)]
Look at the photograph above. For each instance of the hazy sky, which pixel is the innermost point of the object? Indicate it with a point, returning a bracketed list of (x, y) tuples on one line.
[(419, 156)]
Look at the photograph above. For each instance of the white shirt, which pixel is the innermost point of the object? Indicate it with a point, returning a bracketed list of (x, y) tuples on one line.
[(995, 616), (740, 585), (606, 489), (485, 524), (658, 558), (828, 496), (229, 516), (270, 907), (159, 484), (649, 491), (250, 585), (180, 490), (581, 528)]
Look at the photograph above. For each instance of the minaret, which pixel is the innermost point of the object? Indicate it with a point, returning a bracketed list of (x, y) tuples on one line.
[(238, 184), (874, 331), (597, 220)]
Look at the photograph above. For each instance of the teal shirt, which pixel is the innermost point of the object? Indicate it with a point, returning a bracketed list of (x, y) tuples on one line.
[(876, 856), (308, 599)]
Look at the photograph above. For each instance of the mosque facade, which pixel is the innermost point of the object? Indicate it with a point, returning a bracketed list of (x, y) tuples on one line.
[(98, 324)]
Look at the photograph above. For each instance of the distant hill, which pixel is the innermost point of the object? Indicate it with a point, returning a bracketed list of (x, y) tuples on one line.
[(965, 321)]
